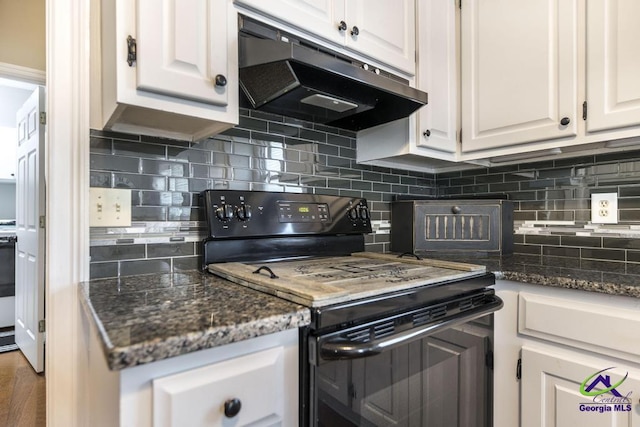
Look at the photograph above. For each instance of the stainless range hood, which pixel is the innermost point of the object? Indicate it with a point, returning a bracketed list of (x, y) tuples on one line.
[(297, 80)]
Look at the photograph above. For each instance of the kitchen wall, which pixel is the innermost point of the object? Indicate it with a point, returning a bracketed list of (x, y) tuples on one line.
[(7, 200), (264, 152), (268, 152), (22, 33), (560, 190)]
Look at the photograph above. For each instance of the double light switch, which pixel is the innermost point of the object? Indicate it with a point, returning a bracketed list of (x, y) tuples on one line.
[(110, 207)]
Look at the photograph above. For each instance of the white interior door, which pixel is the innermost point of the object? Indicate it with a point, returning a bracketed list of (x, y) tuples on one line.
[(30, 245)]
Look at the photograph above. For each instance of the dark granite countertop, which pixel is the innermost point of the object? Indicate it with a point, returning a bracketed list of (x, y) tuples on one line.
[(152, 317), (562, 272)]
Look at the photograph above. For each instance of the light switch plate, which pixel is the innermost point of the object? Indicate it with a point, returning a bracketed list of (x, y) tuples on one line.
[(604, 208), (110, 207)]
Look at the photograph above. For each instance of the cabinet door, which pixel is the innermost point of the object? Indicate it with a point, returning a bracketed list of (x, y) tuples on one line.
[(519, 71), (437, 71), (181, 48), (198, 397), (551, 391), (319, 17), (613, 64), (383, 30)]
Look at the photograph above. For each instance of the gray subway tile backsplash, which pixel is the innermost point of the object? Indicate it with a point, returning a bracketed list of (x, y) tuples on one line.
[(274, 153)]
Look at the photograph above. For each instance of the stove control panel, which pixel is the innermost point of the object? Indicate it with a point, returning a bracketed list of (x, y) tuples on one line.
[(240, 214), (303, 212)]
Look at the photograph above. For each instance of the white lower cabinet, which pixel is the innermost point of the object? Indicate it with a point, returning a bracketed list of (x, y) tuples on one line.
[(565, 358), (246, 390), (553, 383), (254, 381)]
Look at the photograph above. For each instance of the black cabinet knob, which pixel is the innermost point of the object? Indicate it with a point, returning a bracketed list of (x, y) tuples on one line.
[(456, 210), (565, 121), (232, 407), (342, 26), (355, 31), (221, 80), (426, 133)]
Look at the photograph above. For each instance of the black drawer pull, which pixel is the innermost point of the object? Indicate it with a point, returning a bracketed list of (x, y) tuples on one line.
[(232, 407)]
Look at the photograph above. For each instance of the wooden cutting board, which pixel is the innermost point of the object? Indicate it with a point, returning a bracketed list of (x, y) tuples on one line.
[(322, 281)]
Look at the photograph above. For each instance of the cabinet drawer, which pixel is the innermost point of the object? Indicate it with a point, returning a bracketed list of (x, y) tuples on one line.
[(602, 328), (197, 397)]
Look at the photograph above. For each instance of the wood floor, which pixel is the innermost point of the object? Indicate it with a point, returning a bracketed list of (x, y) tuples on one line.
[(22, 392)]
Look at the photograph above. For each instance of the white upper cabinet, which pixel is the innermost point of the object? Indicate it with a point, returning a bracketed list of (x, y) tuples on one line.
[(613, 64), (179, 55), (437, 74), (379, 29), (383, 30), (321, 17), (427, 141), (510, 81), (167, 68), (519, 72)]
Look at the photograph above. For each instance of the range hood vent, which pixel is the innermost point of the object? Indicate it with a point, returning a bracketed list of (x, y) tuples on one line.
[(296, 80)]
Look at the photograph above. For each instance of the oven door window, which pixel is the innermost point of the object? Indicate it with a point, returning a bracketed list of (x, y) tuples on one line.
[(440, 381)]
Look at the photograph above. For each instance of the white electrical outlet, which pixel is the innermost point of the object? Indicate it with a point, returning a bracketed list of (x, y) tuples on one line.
[(110, 207), (604, 208)]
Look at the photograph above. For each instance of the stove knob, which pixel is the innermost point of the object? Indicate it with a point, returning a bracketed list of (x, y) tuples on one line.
[(224, 212), (243, 212), (353, 213), (364, 213)]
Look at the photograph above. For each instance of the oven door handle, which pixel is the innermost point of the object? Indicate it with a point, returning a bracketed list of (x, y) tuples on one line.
[(340, 349)]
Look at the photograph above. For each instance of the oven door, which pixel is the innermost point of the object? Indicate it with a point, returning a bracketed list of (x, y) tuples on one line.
[(396, 372)]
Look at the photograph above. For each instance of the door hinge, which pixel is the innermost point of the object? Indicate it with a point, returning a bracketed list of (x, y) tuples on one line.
[(43, 118), (131, 51), (519, 369), (584, 110), (41, 326), (42, 221), (460, 4), (460, 136)]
